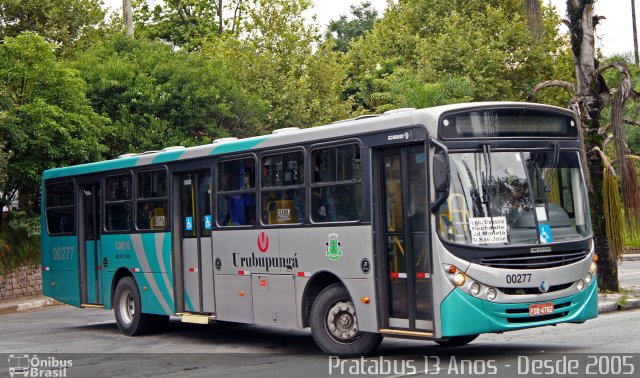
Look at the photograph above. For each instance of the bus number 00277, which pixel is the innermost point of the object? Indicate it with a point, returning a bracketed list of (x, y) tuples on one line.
[(518, 278)]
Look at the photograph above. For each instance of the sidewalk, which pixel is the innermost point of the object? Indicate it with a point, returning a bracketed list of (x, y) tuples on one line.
[(26, 303)]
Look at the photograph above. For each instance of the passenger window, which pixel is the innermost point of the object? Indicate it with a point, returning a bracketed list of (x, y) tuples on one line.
[(336, 191), (151, 201), (60, 208), (118, 203), (236, 193), (283, 194)]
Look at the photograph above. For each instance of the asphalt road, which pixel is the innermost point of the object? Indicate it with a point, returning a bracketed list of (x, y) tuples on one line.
[(90, 338), (629, 273)]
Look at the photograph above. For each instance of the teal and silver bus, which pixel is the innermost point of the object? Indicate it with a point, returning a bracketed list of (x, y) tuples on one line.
[(438, 224)]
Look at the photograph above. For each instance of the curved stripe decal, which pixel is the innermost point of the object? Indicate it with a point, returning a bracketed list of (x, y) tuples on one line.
[(160, 242), (144, 264)]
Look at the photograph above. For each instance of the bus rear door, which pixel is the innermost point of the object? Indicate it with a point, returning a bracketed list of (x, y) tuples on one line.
[(89, 243)]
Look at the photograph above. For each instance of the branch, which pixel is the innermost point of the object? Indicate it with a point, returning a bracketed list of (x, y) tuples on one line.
[(631, 122), (621, 67), (552, 83)]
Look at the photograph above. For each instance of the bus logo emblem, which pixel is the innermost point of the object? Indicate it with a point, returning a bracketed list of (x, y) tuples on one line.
[(334, 247), (263, 242), (544, 286)]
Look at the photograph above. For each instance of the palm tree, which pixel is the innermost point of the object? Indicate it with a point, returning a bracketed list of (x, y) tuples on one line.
[(590, 97)]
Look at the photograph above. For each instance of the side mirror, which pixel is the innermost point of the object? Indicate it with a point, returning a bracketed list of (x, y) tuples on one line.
[(441, 173)]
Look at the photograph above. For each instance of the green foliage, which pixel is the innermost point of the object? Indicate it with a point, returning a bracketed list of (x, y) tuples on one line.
[(20, 243), (489, 43), (344, 30), (275, 60), (187, 23), (70, 25), (157, 97), (45, 119)]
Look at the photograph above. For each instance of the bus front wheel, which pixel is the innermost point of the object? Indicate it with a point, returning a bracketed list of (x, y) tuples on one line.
[(457, 340), (334, 325), (127, 307)]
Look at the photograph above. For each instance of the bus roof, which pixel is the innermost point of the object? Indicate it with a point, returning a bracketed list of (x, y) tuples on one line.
[(395, 119)]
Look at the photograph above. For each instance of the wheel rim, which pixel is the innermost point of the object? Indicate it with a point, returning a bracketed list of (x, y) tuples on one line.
[(127, 306), (342, 323)]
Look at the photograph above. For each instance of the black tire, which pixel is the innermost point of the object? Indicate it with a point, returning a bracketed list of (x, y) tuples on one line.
[(456, 341), (127, 307), (351, 342)]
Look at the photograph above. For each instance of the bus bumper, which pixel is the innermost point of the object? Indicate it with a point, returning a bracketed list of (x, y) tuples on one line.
[(463, 314)]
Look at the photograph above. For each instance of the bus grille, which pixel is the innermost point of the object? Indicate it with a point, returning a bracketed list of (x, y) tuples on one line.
[(532, 290), (535, 261)]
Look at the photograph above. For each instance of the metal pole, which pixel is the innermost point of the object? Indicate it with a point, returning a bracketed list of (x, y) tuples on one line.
[(635, 30)]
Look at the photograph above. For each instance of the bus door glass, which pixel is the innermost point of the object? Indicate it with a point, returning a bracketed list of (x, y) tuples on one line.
[(91, 255), (406, 236), (196, 225)]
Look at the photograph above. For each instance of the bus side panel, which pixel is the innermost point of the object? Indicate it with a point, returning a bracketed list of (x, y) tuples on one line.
[(148, 255), (60, 276)]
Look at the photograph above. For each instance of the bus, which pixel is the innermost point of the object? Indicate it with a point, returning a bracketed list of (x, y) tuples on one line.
[(438, 224)]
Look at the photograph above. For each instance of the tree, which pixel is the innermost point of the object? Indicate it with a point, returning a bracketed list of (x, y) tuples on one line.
[(591, 95), (71, 25), (45, 118), (345, 30), (274, 59), (157, 97), (486, 43), (187, 23)]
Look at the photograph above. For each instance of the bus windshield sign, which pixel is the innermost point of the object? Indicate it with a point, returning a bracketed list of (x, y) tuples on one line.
[(497, 123)]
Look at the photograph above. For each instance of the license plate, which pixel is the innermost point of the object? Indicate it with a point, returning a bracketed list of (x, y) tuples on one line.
[(540, 309)]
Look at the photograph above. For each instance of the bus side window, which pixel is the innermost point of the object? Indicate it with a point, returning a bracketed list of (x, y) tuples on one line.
[(236, 193), (336, 190), (118, 203), (282, 189)]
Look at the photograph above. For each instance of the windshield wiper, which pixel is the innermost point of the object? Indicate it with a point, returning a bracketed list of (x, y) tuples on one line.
[(487, 178)]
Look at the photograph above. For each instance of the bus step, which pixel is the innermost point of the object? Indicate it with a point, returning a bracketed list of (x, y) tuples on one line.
[(91, 305), (197, 318), (401, 332)]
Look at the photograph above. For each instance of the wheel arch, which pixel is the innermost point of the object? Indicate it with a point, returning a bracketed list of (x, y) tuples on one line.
[(318, 282), (120, 274)]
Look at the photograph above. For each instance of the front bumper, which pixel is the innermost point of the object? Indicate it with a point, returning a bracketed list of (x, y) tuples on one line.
[(463, 314)]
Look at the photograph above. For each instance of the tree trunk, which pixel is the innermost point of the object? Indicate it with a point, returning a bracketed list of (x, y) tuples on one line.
[(127, 15), (590, 101)]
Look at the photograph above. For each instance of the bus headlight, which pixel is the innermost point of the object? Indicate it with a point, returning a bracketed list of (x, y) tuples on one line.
[(588, 278), (492, 294), (475, 288), (580, 284), (459, 279), (593, 267)]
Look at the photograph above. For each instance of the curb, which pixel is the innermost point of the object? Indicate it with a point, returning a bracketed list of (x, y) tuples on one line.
[(631, 257), (31, 305), (606, 307)]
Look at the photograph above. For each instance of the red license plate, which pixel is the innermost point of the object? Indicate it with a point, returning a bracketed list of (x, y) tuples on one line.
[(540, 309)]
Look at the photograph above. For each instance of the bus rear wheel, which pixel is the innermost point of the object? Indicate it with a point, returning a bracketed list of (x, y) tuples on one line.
[(334, 325), (457, 340), (127, 307)]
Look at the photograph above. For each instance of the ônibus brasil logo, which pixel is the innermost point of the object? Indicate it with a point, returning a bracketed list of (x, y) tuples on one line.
[(263, 242)]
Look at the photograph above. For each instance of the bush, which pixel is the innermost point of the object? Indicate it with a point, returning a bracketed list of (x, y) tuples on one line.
[(20, 241)]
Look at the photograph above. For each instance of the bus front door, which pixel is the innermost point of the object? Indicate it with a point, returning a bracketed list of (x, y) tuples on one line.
[(197, 256), (89, 244), (405, 237)]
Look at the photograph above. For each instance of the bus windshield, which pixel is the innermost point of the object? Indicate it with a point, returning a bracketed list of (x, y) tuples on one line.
[(515, 198)]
